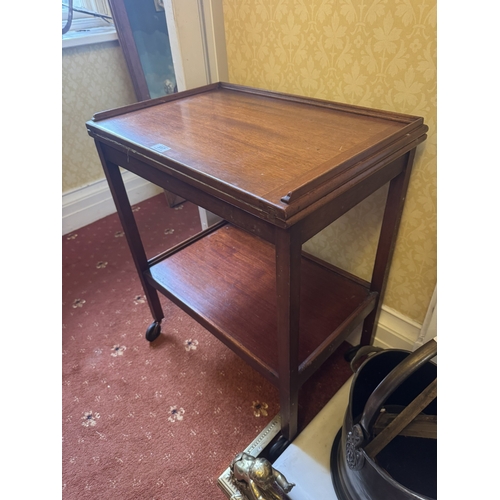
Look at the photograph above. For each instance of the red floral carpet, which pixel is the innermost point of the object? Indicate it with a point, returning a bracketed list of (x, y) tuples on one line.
[(158, 420)]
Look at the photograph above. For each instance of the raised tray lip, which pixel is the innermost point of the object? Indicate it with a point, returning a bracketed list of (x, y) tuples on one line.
[(281, 203), (350, 108)]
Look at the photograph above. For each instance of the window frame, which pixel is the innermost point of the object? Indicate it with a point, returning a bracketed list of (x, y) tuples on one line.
[(87, 29)]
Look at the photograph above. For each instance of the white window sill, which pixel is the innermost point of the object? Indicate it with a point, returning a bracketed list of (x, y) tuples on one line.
[(87, 37)]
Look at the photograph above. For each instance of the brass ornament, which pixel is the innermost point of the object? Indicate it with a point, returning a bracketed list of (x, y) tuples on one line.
[(257, 479)]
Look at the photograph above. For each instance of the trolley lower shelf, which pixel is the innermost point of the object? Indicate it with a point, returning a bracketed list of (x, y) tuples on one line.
[(226, 280)]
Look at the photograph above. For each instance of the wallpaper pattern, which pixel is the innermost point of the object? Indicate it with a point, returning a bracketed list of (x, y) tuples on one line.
[(94, 78), (375, 53)]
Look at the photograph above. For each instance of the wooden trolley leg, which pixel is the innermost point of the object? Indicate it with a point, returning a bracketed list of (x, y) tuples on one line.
[(132, 234), (288, 255), (385, 250)]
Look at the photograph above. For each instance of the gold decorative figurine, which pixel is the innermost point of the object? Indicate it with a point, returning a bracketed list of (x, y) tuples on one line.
[(258, 479)]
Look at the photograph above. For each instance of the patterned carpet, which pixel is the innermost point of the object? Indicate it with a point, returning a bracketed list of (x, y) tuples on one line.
[(158, 420)]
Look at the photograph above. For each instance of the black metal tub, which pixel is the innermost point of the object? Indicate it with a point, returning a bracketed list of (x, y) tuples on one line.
[(366, 462)]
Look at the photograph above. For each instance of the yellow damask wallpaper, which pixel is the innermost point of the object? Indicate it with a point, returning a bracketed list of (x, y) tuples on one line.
[(375, 53), (94, 78)]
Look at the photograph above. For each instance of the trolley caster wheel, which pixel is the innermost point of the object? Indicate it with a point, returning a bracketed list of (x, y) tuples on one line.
[(350, 353), (153, 331), (278, 448)]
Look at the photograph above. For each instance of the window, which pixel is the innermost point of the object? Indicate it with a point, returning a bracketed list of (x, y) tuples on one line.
[(90, 22)]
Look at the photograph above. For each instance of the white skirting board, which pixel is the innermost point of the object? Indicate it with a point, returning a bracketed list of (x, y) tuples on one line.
[(393, 331), (88, 204)]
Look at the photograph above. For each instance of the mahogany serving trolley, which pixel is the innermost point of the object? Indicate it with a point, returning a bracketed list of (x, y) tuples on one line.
[(277, 169)]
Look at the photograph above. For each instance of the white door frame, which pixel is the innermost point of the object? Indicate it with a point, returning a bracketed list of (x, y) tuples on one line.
[(197, 41), (198, 45), (429, 327)]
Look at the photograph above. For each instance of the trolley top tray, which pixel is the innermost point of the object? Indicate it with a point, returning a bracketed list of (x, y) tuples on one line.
[(273, 152)]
